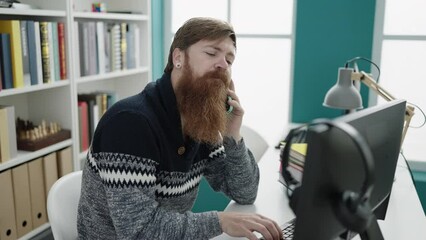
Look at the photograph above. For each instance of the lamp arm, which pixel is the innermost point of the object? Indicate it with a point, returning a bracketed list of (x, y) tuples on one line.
[(372, 84)]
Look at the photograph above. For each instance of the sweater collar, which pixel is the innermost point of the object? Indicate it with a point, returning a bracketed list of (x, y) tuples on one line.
[(169, 104), (168, 99)]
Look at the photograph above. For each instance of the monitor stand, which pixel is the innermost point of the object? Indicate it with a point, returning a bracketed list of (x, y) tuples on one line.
[(373, 232)]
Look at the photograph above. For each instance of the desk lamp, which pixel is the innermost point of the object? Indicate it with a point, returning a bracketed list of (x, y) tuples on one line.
[(344, 95)]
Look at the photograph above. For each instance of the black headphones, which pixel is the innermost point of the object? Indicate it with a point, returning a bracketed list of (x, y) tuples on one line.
[(352, 209)]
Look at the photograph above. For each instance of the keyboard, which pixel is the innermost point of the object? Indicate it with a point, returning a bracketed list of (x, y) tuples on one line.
[(288, 229)]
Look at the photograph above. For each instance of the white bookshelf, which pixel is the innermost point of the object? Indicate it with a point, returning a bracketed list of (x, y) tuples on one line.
[(111, 16), (57, 101), (34, 88), (32, 12), (113, 75)]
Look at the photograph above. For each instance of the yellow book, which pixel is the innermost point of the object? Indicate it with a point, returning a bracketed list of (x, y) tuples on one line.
[(297, 148), (12, 27), (300, 148)]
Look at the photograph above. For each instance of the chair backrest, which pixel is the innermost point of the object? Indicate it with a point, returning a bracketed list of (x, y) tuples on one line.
[(62, 204), (254, 141)]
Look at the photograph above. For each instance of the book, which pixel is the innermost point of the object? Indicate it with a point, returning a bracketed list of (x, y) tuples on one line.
[(111, 98), (123, 45), (92, 49), (83, 125), (25, 53), (100, 39), (38, 52), (6, 64), (8, 145), (98, 103), (102, 102), (45, 55), (297, 154), (12, 27), (51, 52), (76, 45), (130, 38), (1, 78), (32, 52), (296, 172), (92, 110), (55, 45), (83, 48), (115, 55), (107, 45), (62, 51)]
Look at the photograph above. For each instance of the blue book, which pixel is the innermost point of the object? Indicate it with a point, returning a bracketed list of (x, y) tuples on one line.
[(7, 77), (32, 50), (25, 54)]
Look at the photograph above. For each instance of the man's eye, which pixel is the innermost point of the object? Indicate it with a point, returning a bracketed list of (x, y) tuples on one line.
[(229, 62), (210, 54)]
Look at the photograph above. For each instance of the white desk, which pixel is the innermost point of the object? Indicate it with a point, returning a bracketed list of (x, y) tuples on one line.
[(404, 219)]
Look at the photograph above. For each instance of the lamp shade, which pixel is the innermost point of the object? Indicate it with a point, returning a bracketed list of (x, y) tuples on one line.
[(343, 95)]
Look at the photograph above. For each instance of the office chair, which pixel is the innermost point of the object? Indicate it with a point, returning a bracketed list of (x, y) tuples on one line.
[(62, 204), (254, 141)]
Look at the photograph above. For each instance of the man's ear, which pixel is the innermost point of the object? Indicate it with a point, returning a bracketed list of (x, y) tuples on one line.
[(178, 57)]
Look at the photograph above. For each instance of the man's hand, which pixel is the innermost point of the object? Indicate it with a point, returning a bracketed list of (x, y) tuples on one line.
[(244, 224), (236, 116)]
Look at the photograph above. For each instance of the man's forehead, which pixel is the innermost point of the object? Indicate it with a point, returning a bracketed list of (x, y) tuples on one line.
[(223, 44)]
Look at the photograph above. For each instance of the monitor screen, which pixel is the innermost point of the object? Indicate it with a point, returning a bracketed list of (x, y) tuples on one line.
[(334, 164)]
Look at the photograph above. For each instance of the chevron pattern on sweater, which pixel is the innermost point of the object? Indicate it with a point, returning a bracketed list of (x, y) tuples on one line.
[(217, 152), (91, 161), (164, 191), (125, 179), (174, 184), (123, 170)]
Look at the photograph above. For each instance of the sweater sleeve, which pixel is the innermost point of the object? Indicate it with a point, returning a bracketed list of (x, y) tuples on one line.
[(235, 173), (125, 161)]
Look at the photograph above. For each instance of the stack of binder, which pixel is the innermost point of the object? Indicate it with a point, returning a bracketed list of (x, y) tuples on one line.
[(24, 190), (296, 161)]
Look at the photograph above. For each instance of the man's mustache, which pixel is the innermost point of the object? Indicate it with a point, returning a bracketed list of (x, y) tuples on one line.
[(219, 74)]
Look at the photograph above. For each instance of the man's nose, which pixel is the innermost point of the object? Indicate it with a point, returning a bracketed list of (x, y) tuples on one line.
[(222, 63)]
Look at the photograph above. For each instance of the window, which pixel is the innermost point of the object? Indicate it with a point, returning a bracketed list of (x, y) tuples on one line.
[(263, 66), (400, 49)]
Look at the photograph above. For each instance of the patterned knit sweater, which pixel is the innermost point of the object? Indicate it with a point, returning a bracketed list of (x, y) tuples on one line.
[(141, 177)]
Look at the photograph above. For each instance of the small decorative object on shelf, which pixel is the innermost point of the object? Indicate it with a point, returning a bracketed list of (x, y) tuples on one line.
[(98, 7), (6, 3), (32, 138)]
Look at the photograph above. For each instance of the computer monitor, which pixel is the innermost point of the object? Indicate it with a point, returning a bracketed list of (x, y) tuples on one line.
[(334, 164)]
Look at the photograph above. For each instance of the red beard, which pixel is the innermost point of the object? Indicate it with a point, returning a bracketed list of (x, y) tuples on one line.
[(201, 102)]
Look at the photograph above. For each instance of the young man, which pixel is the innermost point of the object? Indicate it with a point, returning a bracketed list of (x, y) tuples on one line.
[(150, 150)]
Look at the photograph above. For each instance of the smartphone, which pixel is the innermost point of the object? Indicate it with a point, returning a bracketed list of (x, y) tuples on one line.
[(229, 108)]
